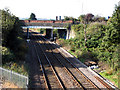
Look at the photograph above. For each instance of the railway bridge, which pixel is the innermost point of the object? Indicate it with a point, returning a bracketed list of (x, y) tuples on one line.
[(63, 27), (54, 66)]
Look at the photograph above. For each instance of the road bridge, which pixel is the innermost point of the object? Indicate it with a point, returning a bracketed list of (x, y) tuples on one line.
[(63, 27)]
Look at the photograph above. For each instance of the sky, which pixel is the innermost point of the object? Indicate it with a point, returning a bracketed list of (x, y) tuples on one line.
[(49, 9)]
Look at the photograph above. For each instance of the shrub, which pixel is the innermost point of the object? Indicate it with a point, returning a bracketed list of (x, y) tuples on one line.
[(7, 55)]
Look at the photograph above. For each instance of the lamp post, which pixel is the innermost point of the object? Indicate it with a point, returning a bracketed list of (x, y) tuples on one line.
[(27, 33), (28, 30)]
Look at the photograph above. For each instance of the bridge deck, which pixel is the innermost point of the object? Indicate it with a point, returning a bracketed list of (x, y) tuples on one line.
[(46, 23)]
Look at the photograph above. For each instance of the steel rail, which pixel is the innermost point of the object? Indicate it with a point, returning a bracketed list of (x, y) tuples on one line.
[(104, 83), (53, 69), (69, 72), (81, 72), (43, 70), (84, 76)]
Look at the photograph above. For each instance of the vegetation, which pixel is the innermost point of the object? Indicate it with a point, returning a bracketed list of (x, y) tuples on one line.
[(32, 17), (81, 18), (111, 75), (90, 18), (102, 44), (69, 18), (41, 30), (13, 42), (55, 33)]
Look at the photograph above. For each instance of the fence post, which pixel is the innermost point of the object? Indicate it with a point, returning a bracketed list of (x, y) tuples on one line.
[(27, 83), (1, 74), (18, 79), (11, 76)]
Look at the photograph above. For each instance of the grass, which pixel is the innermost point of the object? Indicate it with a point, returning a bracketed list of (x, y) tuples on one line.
[(18, 67), (113, 77), (77, 56), (73, 54)]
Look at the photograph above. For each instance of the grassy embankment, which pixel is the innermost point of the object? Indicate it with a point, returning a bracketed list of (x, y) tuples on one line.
[(99, 47)]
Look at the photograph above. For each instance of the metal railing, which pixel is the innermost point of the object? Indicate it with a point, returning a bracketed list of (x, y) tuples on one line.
[(18, 79)]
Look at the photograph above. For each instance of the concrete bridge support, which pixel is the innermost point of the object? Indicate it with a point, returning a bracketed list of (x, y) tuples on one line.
[(52, 33), (68, 34)]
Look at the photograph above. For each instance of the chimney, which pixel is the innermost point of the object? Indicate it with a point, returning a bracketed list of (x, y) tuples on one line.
[(59, 17), (56, 18)]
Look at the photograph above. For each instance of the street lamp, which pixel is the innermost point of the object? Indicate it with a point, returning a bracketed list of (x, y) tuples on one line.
[(28, 32)]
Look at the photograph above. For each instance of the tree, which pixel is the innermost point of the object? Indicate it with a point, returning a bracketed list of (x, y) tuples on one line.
[(12, 36), (99, 18), (69, 18), (32, 16), (89, 17), (113, 31), (81, 18), (111, 40)]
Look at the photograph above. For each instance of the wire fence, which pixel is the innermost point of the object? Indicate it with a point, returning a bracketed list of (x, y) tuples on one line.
[(18, 79)]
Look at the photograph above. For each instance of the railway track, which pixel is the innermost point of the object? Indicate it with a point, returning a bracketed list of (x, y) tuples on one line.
[(84, 83), (67, 84), (58, 69), (50, 76), (43, 78), (77, 74), (36, 77)]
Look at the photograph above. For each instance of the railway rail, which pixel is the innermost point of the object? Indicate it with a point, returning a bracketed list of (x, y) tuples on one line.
[(104, 83), (50, 76), (49, 57), (59, 71), (55, 62), (84, 84), (41, 67), (77, 74)]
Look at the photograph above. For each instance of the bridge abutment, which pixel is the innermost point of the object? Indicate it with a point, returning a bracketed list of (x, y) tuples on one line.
[(49, 33), (68, 34), (52, 33)]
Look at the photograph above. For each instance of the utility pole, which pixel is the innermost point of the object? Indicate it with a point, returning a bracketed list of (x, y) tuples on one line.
[(82, 7), (84, 24)]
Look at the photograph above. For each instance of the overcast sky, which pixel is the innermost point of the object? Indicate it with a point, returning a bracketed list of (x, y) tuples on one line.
[(51, 8)]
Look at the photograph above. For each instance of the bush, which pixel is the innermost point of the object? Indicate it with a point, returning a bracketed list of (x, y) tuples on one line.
[(7, 55), (42, 31)]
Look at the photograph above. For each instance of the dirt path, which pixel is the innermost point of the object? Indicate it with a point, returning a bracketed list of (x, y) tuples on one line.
[(9, 85)]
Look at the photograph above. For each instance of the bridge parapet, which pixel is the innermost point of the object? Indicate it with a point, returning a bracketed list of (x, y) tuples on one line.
[(46, 23)]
